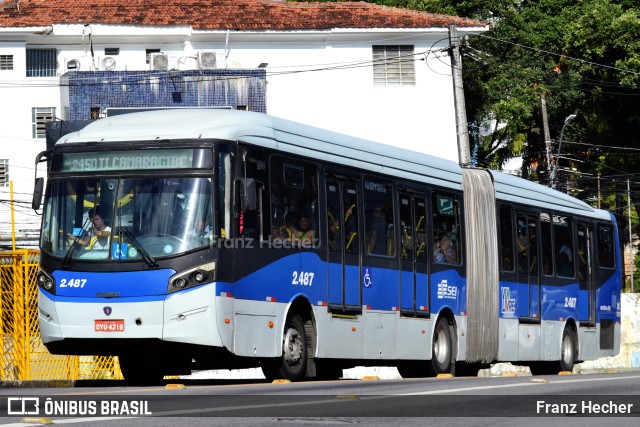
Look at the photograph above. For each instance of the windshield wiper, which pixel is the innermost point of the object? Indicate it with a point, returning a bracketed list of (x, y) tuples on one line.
[(145, 255), (66, 261)]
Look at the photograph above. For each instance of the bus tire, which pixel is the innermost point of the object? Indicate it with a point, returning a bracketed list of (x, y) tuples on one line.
[(292, 365), (442, 348), (568, 350)]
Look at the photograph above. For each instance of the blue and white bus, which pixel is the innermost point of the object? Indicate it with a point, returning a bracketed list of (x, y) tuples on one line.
[(230, 239)]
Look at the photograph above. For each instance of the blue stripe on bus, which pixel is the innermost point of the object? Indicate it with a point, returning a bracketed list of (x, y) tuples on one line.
[(126, 284), (95, 300)]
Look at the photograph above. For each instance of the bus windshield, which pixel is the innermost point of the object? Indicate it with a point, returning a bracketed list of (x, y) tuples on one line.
[(126, 219)]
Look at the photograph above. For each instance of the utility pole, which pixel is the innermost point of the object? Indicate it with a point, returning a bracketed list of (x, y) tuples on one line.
[(462, 129), (598, 190), (547, 134), (630, 233)]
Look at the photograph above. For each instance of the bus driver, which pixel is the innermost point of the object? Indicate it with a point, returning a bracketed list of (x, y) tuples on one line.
[(98, 236)]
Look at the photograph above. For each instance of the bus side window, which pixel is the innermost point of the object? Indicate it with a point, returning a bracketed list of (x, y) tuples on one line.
[(446, 229), (378, 205), (223, 193), (563, 246), (406, 228), (606, 254), (506, 238), (546, 245), (294, 202), (251, 222)]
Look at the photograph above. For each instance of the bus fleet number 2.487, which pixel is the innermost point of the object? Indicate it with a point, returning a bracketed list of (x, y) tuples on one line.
[(303, 278)]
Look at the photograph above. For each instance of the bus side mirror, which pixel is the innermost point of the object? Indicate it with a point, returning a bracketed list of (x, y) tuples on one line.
[(248, 194), (37, 194)]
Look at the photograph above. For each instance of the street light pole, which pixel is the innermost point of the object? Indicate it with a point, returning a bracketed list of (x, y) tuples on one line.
[(554, 175)]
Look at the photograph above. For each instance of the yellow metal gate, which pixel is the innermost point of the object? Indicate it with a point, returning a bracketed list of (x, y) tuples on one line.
[(22, 353)]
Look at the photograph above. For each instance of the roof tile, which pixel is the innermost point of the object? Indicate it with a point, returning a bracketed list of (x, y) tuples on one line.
[(221, 14)]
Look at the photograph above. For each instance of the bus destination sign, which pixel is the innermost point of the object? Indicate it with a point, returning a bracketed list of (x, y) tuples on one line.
[(127, 160)]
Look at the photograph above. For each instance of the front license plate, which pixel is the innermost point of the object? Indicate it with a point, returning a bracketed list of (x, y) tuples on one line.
[(108, 325)]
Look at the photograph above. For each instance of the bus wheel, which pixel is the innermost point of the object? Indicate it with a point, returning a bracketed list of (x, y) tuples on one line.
[(292, 365), (568, 350), (441, 353)]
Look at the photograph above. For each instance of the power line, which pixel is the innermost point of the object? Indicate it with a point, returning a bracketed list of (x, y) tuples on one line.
[(573, 58)]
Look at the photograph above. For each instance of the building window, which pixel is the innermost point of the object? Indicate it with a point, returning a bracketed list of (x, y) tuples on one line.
[(41, 62), (39, 119), (149, 52), (394, 65), (6, 62), (4, 172)]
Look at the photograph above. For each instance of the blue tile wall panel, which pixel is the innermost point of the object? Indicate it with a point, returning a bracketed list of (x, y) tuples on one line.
[(83, 90)]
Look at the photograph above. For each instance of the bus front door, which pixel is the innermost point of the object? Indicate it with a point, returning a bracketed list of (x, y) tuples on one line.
[(344, 245)]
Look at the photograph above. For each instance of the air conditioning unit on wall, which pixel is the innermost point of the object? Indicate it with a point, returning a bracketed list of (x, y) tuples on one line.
[(159, 62), (207, 59), (73, 65)]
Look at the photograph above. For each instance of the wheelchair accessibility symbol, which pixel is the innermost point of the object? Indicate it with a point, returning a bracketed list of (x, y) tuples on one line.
[(366, 279)]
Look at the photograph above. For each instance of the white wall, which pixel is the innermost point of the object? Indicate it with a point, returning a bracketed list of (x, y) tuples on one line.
[(419, 117), (18, 95)]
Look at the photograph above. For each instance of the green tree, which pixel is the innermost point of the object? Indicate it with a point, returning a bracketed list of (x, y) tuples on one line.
[(582, 55)]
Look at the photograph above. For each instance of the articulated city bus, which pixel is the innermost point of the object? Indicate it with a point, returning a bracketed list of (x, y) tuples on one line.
[(198, 239)]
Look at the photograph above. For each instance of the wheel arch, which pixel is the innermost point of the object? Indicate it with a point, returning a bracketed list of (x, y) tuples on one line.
[(300, 305), (571, 323), (447, 313)]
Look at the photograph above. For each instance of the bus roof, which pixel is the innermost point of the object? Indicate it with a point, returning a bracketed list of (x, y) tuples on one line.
[(299, 139)]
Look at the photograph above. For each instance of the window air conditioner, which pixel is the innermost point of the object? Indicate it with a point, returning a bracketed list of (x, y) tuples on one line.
[(159, 62), (206, 59), (73, 64)]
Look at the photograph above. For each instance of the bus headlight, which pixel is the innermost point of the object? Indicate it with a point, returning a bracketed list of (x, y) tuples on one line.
[(192, 277), (199, 276), (46, 282), (180, 283)]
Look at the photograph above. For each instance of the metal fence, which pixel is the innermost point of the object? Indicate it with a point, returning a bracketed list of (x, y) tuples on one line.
[(22, 353)]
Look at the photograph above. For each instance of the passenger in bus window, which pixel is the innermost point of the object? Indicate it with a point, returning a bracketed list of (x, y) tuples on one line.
[(98, 236), (564, 262), (444, 252), (378, 232), (303, 233)]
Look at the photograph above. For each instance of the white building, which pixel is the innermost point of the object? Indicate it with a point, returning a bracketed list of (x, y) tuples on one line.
[(370, 71)]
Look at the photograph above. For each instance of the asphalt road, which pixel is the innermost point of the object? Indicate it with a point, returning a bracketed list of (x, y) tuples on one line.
[(572, 400)]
